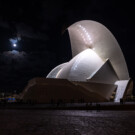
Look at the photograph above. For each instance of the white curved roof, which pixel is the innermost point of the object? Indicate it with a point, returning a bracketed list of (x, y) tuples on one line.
[(81, 67), (92, 44), (90, 34)]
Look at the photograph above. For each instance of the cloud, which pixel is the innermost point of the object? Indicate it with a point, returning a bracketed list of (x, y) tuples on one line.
[(8, 57), (14, 54)]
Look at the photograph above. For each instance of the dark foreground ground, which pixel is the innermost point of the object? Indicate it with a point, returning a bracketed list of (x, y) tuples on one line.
[(66, 122)]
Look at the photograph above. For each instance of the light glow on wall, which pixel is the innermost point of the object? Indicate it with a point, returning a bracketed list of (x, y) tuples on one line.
[(84, 34)]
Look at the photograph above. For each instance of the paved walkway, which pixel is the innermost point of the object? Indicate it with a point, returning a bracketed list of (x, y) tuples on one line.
[(68, 122)]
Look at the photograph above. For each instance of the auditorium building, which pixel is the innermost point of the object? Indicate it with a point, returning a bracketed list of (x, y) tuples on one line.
[(97, 71)]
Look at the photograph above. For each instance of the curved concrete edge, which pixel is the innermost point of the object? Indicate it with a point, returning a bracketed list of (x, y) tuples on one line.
[(54, 72), (122, 86)]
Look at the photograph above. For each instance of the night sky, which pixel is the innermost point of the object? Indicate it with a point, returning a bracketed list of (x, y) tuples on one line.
[(40, 25)]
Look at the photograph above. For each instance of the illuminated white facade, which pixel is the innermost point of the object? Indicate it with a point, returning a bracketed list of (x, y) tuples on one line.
[(97, 58)]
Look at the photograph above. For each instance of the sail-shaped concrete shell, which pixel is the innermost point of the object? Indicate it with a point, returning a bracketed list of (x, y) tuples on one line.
[(90, 34), (81, 67)]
